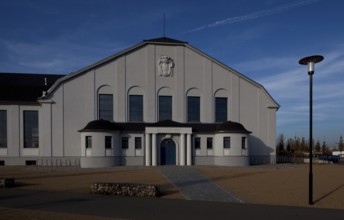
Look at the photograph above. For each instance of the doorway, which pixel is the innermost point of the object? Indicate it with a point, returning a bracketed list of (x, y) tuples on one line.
[(168, 152)]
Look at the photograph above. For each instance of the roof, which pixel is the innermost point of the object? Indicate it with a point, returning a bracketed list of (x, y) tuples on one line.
[(24, 88), (165, 40), (104, 125)]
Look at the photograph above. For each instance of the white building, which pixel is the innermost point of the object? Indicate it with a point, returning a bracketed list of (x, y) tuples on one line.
[(158, 102)]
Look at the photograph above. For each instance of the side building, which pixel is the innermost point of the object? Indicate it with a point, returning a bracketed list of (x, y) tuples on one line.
[(160, 102)]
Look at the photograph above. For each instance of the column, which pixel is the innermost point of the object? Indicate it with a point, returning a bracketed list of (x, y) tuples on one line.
[(154, 151), (188, 150), (182, 150), (148, 151)]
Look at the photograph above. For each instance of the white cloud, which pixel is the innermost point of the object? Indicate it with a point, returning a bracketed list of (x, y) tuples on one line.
[(254, 15)]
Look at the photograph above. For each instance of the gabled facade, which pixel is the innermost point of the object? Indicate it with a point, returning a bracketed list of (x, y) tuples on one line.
[(158, 102)]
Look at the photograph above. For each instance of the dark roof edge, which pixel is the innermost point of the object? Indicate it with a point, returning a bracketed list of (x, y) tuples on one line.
[(106, 126)]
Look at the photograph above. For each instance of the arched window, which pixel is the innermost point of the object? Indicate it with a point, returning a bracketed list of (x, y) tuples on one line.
[(193, 105), (221, 105), (165, 100), (105, 103), (135, 101)]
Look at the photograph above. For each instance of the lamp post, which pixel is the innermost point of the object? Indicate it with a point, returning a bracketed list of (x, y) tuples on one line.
[(310, 61)]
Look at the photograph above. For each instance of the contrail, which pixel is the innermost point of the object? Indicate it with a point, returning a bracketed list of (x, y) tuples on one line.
[(254, 15)]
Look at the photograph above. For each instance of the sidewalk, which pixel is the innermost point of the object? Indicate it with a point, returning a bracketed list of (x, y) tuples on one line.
[(195, 186), (140, 208)]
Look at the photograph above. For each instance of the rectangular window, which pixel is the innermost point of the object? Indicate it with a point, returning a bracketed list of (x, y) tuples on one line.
[(88, 141), (138, 142), (227, 142), (125, 142), (106, 107), (193, 109), (135, 108), (197, 143), (165, 108), (31, 135), (209, 143), (108, 142), (220, 109), (30, 163), (3, 129), (243, 142)]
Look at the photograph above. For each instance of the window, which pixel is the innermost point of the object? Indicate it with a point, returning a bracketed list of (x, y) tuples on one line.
[(243, 142), (125, 143), (88, 141), (108, 142), (193, 109), (165, 108), (135, 108), (31, 129), (106, 107), (220, 109), (209, 143), (138, 142), (30, 162), (226, 142), (197, 143), (3, 129)]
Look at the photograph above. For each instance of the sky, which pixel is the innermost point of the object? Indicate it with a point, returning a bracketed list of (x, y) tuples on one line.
[(262, 39)]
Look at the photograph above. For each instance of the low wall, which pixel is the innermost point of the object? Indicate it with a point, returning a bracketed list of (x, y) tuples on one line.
[(125, 189)]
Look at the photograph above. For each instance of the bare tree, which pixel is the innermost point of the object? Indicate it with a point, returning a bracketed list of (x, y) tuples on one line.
[(341, 144)]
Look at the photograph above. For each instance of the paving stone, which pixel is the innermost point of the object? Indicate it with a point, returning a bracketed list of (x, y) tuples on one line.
[(195, 186)]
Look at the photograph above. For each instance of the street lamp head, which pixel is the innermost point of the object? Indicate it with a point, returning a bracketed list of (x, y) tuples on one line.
[(310, 62)]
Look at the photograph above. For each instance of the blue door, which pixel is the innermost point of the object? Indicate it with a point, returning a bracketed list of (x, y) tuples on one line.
[(168, 152)]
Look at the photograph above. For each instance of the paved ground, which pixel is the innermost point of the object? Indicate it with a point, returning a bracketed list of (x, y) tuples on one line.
[(62, 193), (196, 186), (139, 208)]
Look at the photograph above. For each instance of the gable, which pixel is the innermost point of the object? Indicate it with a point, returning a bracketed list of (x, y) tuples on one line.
[(192, 63)]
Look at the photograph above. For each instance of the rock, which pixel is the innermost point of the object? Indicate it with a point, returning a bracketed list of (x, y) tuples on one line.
[(125, 189)]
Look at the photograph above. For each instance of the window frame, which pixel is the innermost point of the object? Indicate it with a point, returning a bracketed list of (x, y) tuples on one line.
[(136, 113), (193, 111), (3, 128), (108, 142), (88, 141), (165, 115), (221, 109), (209, 143), (197, 143), (125, 143), (227, 142), (105, 113), (243, 143), (30, 129), (138, 142)]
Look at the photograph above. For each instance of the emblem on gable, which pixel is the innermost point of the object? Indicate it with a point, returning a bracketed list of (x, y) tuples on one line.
[(165, 66)]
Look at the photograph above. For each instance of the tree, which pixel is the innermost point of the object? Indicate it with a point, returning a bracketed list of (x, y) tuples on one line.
[(324, 149), (280, 144), (317, 146), (303, 145), (289, 146), (341, 144)]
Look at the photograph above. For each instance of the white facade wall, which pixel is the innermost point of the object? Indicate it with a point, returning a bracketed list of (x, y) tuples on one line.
[(73, 102)]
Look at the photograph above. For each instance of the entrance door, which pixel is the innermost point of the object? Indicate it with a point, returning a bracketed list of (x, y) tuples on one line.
[(168, 152)]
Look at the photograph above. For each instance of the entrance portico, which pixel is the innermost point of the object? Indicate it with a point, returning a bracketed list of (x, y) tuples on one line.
[(183, 154)]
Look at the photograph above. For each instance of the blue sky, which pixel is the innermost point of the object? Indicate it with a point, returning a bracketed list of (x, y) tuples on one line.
[(262, 39)]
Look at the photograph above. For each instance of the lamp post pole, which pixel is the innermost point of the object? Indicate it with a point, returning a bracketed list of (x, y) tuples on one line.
[(310, 61)]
